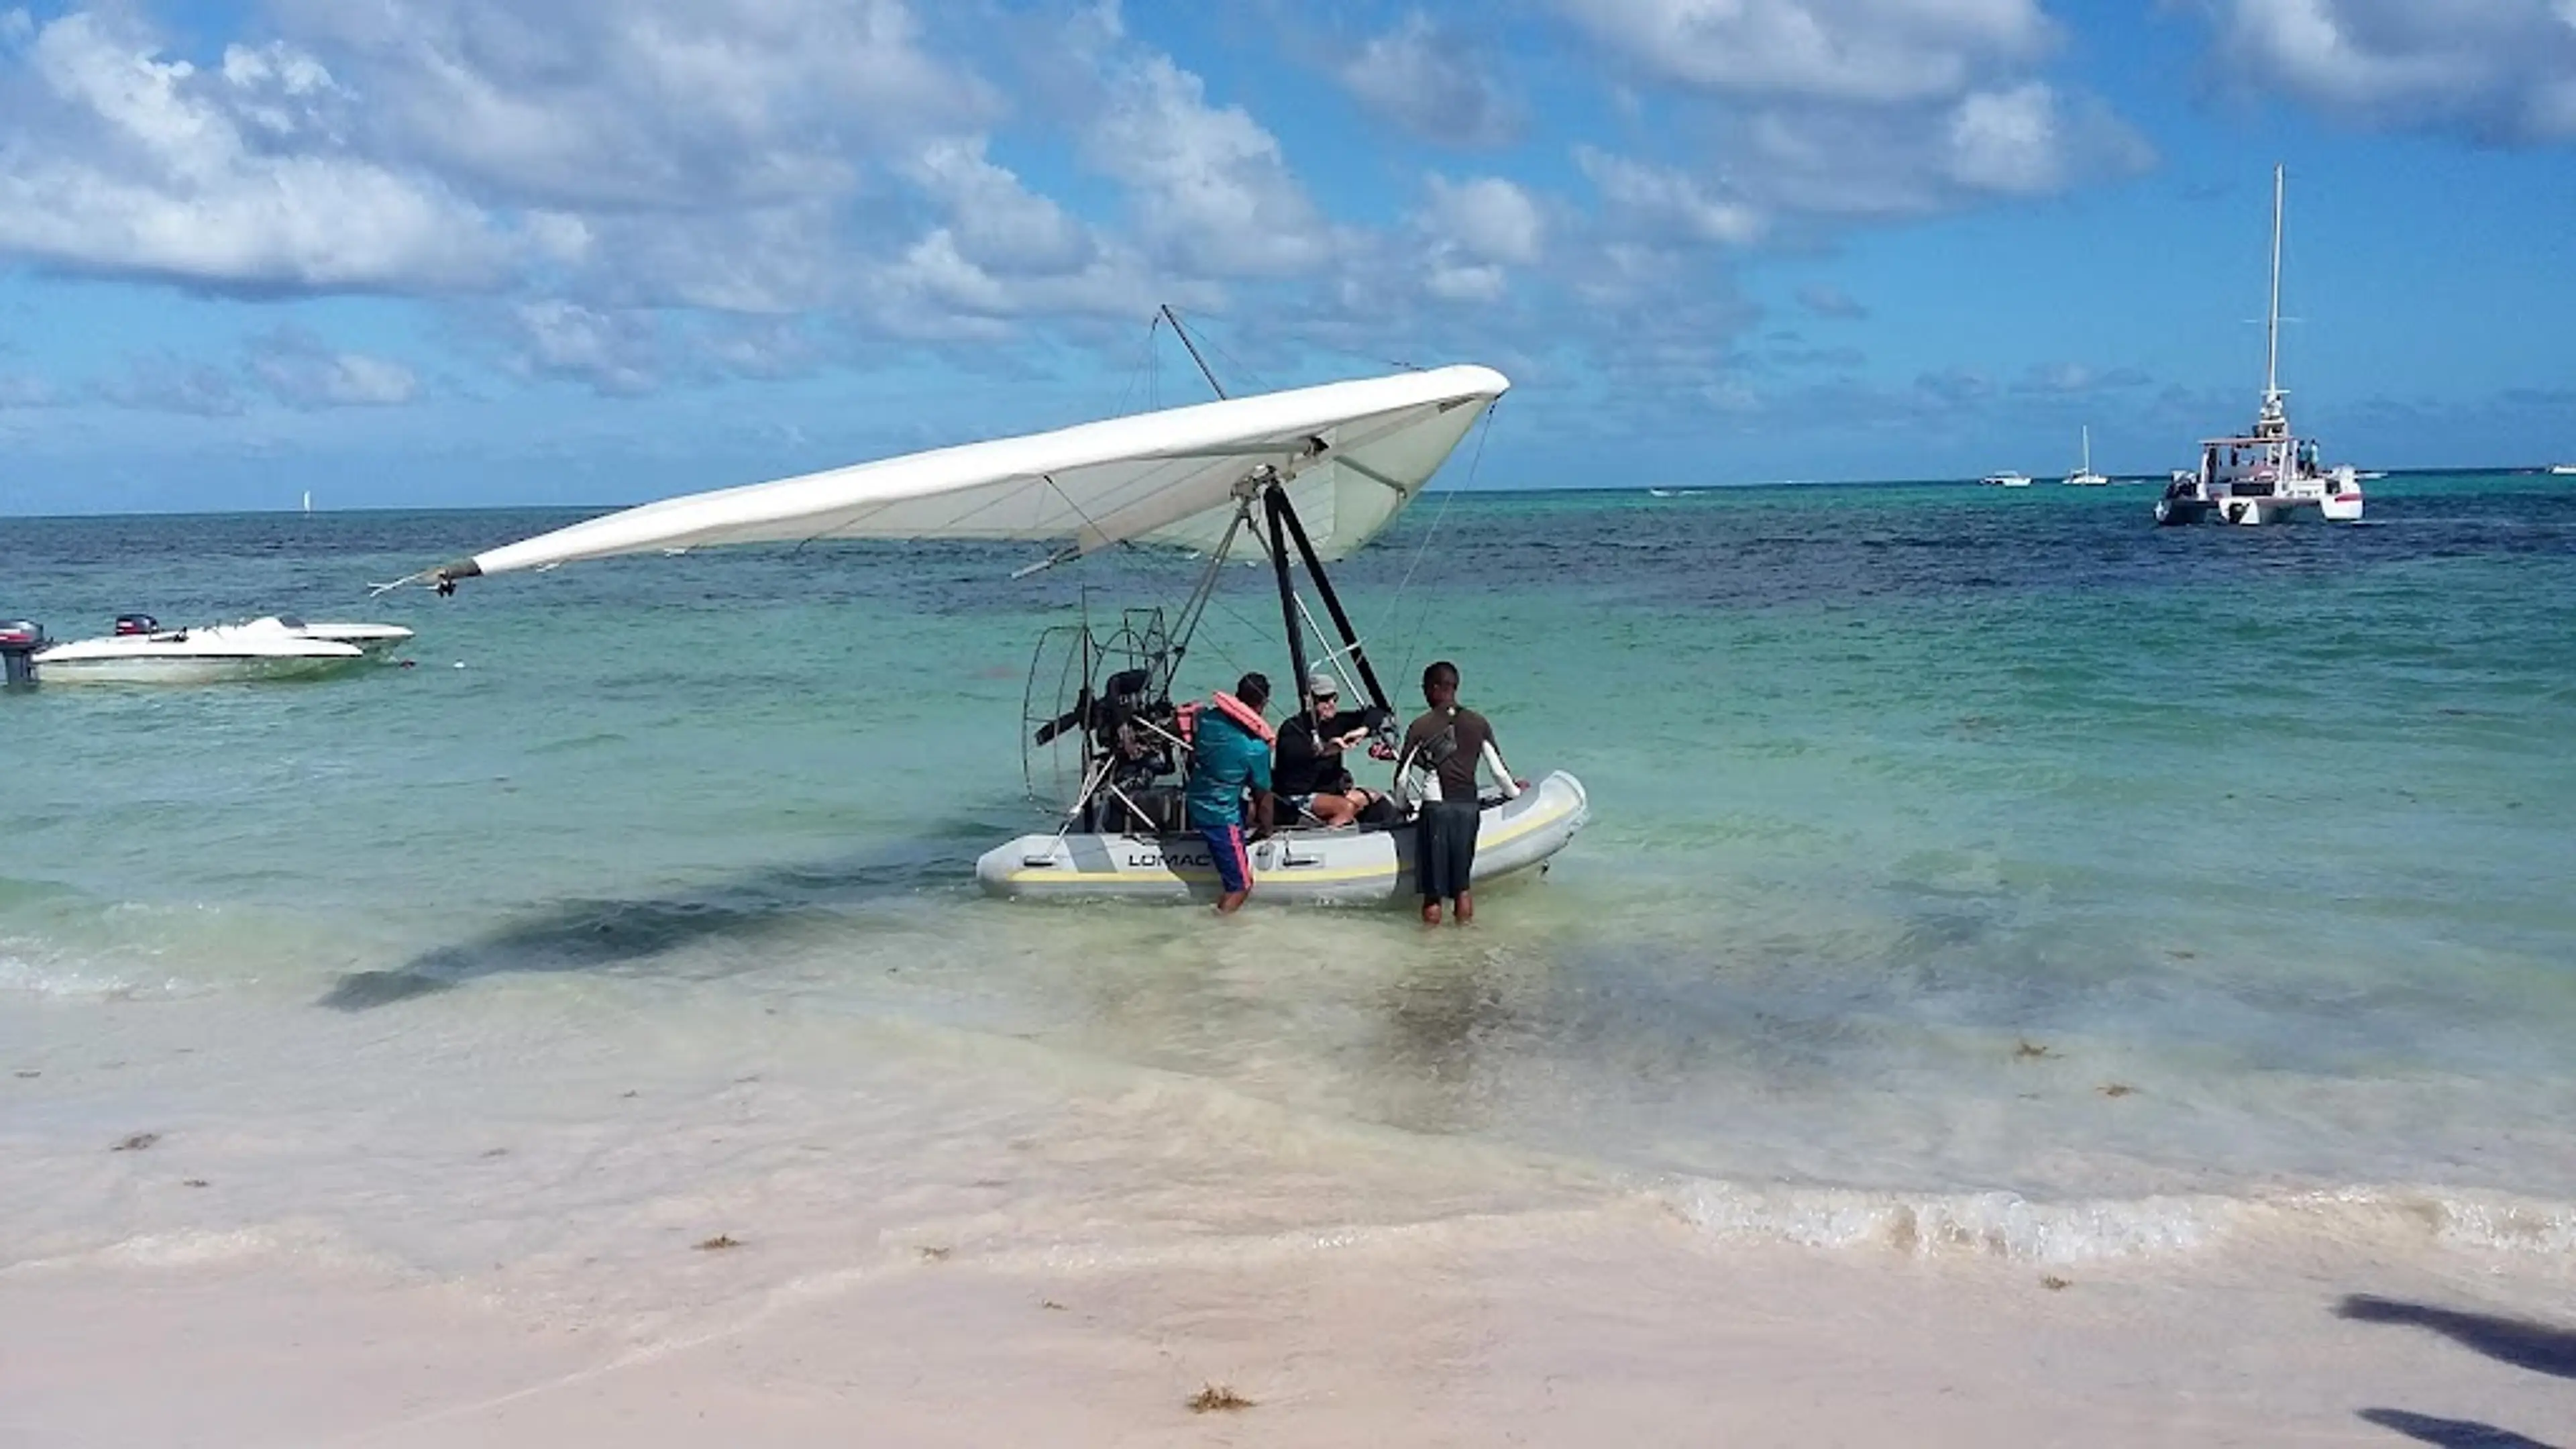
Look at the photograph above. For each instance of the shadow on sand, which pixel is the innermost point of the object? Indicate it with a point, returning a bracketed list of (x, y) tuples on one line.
[(2450, 1433), (595, 934), (2517, 1341)]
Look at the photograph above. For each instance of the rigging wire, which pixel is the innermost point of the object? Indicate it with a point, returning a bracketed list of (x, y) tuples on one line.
[(1447, 497), (1242, 373)]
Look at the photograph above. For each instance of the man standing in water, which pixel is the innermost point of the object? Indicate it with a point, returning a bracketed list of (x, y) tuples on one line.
[(1448, 743), (1228, 758)]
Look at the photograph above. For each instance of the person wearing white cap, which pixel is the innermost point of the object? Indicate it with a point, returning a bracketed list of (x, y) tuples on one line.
[(1307, 772)]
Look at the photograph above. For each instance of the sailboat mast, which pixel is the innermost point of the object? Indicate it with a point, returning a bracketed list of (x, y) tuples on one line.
[(2272, 323)]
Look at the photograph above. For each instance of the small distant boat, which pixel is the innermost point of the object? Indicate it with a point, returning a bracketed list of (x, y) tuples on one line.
[(140, 651), (2563, 470), (2084, 476), (2268, 473), (2006, 480)]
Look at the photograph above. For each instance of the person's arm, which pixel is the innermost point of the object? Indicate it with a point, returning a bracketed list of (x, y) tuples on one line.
[(1493, 761), (1258, 777)]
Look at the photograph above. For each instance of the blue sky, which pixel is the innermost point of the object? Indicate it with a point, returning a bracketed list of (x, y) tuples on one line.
[(433, 252)]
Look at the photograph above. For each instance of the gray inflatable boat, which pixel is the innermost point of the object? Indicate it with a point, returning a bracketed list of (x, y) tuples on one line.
[(1359, 867)]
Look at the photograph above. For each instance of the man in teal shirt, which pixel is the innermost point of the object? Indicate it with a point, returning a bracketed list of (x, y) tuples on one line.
[(1229, 758)]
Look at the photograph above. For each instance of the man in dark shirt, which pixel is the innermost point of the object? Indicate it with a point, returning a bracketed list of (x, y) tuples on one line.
[(1308, 772), (1448, 744)]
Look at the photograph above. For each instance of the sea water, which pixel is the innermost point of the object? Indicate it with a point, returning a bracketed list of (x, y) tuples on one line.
[(1970, 871)]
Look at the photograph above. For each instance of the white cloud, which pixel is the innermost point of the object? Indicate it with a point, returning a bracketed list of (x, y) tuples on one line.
[(1211, 190), (1867, 51), (2498, 70), (1488, 218), (618, 354), (682, 105), (1430, 79), (1669, 203), (995, 220), (122, 162), (299, 370), (2006, 141), (20, 391)]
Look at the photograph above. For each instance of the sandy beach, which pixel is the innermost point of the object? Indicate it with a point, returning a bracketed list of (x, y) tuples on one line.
[(807, 1244), (1470, 1335)]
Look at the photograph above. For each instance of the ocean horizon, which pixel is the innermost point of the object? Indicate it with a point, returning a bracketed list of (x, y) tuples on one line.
[(1438, 490)]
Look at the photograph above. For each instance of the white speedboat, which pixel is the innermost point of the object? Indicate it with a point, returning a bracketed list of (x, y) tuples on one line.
[(1280, 479), (2563, 470), (369, 638), (2006, 480), (2268, 473), (142, 652)]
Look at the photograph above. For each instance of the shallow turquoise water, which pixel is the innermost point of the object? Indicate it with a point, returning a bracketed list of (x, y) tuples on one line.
[(1924, 817)]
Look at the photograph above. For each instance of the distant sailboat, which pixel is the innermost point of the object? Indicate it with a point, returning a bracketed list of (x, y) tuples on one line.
[(308, 500), (2085, 477)]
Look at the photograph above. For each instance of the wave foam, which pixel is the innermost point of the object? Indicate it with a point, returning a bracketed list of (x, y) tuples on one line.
[(2009, 1226)]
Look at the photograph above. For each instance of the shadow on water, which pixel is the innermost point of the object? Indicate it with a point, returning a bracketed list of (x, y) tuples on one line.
[(2450, 1433), (2517, 1341), (607, 934)]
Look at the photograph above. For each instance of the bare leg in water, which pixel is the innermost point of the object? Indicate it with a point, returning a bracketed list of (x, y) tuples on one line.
[(1466, 909)]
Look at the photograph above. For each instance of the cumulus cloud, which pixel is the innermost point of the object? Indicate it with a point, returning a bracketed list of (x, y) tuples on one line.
[(1432, 80), (120, 162), (2499, 70), (1850, 163), (1476, 231), (615, 354), (1668, 202), (996, 220), (1797, 118), (299, 370), (1869, 51), (659, 104), (1487, 218), (1209, 185)]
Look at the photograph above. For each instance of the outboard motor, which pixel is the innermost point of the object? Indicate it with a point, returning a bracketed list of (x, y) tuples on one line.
[(19, 641), (129, 624)]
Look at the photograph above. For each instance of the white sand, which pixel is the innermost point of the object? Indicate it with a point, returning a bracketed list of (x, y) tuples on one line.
[(471, 1225), (1473, 1332)]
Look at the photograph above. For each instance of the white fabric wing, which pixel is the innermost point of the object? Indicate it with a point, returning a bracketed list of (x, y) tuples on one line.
[(1356, 454)]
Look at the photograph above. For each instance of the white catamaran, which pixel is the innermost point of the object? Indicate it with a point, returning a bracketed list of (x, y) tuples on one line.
[(1301, 476), (2268, 473), (2084, 476)]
